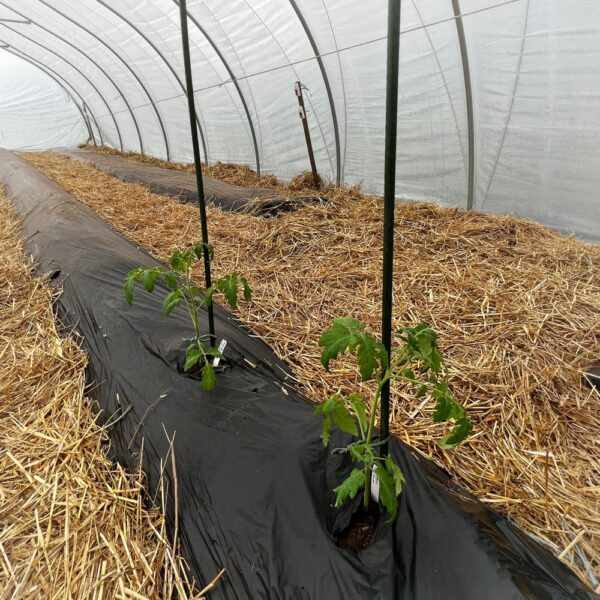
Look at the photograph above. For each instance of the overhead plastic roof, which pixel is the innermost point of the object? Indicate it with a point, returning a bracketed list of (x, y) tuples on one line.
[(499, 100)]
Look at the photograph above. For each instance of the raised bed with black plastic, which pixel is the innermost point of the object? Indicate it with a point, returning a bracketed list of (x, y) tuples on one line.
[(254, 481)]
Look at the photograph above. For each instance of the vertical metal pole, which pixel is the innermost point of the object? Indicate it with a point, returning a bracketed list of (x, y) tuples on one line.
[(464, 53), (315, 48), (389, 199), (196, 148), (302, 113)]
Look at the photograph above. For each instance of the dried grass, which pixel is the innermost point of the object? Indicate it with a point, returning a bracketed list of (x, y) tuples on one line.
[(517, 308), (233, 173), (304, 182), (72, 524)]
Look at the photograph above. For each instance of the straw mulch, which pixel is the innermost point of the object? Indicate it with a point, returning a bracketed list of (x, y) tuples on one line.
[(230, 172), (517, 308), (72, 524)]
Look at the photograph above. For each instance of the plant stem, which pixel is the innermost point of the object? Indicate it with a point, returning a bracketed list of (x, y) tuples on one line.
[(388, 375), (376, 398)]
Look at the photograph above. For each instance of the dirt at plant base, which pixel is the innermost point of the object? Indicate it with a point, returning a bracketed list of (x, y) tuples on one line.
[(361, 531)]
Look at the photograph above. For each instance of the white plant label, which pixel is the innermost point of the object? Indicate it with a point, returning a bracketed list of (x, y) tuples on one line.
[(374, 486), (221, 348)]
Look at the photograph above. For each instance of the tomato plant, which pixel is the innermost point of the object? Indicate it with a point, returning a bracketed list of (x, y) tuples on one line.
[(416, 361), (200, 350)]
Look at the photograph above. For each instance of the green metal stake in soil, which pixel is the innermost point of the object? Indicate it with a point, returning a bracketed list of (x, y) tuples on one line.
[(189, 83), (389, 199)]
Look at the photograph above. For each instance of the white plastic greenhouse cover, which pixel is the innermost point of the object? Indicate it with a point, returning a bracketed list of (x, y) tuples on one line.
[(530, 70)]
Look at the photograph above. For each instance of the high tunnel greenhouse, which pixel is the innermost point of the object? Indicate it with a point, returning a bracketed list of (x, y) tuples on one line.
[(300, 299)]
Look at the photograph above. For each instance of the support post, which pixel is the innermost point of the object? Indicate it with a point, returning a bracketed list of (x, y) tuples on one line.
[(389, 199), (464, 54), (303, 118), (189, 82)]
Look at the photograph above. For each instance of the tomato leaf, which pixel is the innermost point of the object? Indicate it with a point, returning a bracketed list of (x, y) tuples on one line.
[(394, 470), (334, 410), (130, 280), (171, 280), (192, 356), (172, 301), (387, 491), (228, 286), (358, 406), (461, 430), (247, 290), (348, 333), (350, 487), (209, 377)]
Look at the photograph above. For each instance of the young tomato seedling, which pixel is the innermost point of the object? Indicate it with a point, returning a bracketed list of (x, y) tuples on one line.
[(415, 361), (178, 279)]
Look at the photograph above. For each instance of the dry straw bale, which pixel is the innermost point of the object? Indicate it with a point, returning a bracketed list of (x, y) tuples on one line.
[(72, 524), (517, 308)]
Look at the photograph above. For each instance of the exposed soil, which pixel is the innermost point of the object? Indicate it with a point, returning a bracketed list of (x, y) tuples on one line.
[(361, 531)]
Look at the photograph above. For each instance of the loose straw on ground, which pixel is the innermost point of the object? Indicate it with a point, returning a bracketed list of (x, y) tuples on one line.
[(72, 524), (517, 308)]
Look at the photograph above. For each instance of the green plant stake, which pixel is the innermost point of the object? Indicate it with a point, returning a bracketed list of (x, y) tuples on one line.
[(416, 361), (178, 280)]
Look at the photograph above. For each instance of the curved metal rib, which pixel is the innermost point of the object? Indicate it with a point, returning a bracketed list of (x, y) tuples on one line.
[(469, 96), (234, 81), (86, 110), (56, 80), (79, 71), (128, 67), (135, 123), (315, 49), (57, 76), (163, 58)]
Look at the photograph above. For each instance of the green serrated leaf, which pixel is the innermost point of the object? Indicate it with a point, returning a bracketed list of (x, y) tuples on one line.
[(326, 432), (349, 487), (361, 452), (387, 491), (209, 377), (192, 356), (409, 374), (172, 301), (334, 342), (177, 261), (396, 473), (148, 278), (436, 360), (461, 430), (421, 391), (446, 406), (342, 417), (228, 286), (247, 289), (358, 406), (171, 280), (129, 283), (347, 334), (334, 410), (368, 355)]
